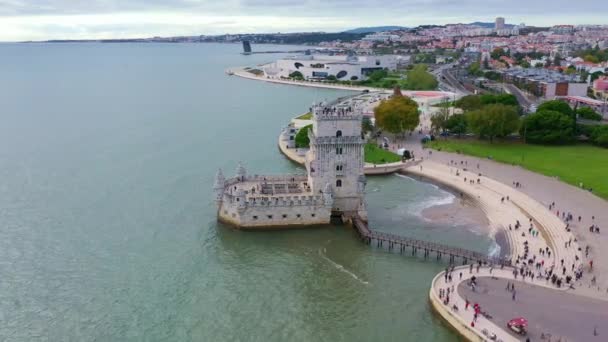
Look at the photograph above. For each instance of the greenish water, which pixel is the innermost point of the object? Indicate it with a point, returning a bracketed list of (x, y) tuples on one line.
[(107, 222)]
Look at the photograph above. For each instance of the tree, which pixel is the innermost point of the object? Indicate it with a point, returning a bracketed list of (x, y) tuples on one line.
[(439, 120), (556, 105), (302, 140), (366, 125), (571, 69), (331, 78), (557, 60), (588, 114), (493, 120), (497, 53), (596, 75), (397, 115), (377, 75), (506, 99), (296, 75), (419, 79), (524, 64), (457, 124), (547, 127), (469, 102), (475, 69)]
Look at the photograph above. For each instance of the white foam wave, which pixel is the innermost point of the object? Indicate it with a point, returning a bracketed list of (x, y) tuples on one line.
[(494, 250), (444, 198), (341, 268)]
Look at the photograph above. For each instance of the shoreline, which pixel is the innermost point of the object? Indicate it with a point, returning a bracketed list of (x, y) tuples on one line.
[(463, 212)]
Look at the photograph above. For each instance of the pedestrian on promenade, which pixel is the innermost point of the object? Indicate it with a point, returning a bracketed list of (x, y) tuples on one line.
[(513, 295)]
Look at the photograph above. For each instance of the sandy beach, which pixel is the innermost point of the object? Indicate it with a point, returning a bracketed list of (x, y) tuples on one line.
[(460, 212)]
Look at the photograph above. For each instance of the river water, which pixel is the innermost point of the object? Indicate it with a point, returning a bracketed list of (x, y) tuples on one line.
[(107, 219)]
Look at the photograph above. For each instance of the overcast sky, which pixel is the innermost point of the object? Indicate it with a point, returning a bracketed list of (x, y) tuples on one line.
[(77, 19)]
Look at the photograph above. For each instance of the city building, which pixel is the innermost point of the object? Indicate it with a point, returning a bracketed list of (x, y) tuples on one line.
[(380, 37), (334, 184), (545, 83), (499, 24), (600, 88), (319, 67)]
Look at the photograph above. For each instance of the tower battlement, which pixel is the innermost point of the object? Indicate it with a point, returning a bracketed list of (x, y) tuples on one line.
[(334, 111)]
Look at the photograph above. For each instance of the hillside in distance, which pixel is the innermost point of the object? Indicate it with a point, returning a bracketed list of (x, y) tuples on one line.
[(374, 29)]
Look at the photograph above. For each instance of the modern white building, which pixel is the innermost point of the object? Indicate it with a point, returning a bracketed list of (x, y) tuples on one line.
[(380, 37), (342, 67)]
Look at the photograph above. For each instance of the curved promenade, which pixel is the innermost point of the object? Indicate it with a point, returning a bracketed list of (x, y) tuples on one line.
[(488, 194)]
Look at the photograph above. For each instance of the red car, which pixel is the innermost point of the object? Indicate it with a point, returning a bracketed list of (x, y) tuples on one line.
[(518, 325)]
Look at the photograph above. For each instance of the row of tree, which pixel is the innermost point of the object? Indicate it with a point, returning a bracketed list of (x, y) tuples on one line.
[(496, 116)]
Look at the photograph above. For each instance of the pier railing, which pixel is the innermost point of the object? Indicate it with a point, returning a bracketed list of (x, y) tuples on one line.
[(393, 241)]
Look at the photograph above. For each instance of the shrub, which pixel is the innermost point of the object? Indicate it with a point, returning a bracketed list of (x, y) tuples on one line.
[(600, 136), (588, 113)]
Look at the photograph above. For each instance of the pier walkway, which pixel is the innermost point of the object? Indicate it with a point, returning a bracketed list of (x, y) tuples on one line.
[(402, 243)]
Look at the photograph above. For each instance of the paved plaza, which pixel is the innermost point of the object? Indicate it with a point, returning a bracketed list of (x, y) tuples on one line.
[(550, 312)]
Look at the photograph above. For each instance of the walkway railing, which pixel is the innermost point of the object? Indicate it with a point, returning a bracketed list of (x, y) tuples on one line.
[(395, 241)]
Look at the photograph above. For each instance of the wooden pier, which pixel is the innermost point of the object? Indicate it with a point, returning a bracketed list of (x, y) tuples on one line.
[(426, 248)]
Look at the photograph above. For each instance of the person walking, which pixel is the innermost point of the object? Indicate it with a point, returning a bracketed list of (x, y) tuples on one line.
[(513, 295)]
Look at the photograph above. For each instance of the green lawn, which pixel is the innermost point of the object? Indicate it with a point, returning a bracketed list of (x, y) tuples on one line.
[(306, 116), (572, 164), (376, 155)]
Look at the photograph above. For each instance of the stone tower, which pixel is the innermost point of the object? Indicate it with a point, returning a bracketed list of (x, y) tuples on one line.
[(335, 160)]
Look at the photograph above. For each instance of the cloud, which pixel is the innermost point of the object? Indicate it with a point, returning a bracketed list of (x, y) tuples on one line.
[(58, 19)]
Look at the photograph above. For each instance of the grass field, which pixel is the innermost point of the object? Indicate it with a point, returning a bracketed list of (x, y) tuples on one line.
[(306, 116), (376, 155), (572, 164)]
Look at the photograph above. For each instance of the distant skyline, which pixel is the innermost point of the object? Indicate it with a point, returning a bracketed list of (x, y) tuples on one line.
[(102, 19)]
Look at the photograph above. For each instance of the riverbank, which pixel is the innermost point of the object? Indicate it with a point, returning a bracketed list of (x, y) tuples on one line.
[(241, 72)]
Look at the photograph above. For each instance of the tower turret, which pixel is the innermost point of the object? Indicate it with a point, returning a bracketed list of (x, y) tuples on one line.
[(218, 186), (241, 200), (241, 173)]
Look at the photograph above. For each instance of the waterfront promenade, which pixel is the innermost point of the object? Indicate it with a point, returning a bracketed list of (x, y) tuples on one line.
[(241, 72)]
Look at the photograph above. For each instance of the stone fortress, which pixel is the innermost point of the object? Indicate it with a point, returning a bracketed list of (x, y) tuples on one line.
[(334, 184)]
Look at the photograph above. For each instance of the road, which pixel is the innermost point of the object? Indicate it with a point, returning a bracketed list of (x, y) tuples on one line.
[(446, 79), (523, 100)]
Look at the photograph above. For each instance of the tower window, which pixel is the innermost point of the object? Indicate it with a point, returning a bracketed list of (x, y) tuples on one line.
[(339, 183), (339, 167), (338, 150), (338, 134)]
